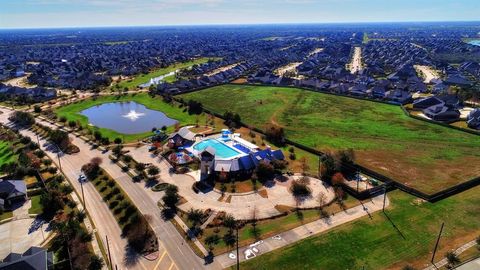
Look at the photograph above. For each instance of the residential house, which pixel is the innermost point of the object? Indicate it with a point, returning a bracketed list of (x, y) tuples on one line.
[(11, 192), (473, 119), (35, 258)]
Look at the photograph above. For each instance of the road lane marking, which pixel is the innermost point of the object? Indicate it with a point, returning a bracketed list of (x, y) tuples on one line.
[(171, 266)]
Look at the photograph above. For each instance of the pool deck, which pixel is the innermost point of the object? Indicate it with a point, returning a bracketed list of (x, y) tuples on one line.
[(221, 141)]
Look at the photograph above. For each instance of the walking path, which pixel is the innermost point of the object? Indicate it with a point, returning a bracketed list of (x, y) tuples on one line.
[(458, 251), (304, 231)]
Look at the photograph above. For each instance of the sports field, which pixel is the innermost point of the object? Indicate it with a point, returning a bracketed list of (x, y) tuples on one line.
[(425, 156)]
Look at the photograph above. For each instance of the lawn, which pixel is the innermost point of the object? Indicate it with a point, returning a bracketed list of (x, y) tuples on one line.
[(376, 244), (425, 156), (72, 112), (6, 155), (144, 78), (36, 207)]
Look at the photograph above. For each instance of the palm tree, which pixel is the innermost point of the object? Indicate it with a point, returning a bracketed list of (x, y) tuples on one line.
[(229, 222), (452, 258), (195, 216), (212, 240)]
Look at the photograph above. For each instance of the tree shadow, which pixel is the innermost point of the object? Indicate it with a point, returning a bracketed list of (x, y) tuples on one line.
[(36, 224), (132, 257), (151, 182), (168, 213)]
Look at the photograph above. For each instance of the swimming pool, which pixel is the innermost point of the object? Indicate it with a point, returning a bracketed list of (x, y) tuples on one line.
[(221, 150)]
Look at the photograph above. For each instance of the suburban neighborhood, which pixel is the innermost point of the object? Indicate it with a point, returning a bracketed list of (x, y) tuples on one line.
[(263, 145)]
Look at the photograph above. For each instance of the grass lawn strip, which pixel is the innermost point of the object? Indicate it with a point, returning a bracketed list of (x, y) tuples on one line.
[(376, 244), (425, 156)]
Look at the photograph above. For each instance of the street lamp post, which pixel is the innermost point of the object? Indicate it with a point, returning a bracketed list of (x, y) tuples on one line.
[(238, 258)]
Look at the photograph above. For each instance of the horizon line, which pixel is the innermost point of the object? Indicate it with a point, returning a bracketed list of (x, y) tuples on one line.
[(235, 24)]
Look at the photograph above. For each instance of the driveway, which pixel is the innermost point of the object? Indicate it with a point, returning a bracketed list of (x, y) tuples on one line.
[(19, 235)]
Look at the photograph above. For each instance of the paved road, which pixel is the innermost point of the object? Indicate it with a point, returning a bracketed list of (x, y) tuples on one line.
[(473, 265), (174, 252)]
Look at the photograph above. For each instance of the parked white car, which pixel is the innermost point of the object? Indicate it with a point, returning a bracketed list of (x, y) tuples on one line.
[(249, 254)]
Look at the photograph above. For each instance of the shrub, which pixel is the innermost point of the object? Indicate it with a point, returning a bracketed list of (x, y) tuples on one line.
[(117, 211), (113, 204)]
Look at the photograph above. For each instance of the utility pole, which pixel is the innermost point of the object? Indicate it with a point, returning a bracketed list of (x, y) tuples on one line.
[(238, 257), (58, 156), (109, 255), (436, 244)]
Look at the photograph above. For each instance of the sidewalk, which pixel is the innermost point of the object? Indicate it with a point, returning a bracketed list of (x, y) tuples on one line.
[(307, 230), (458, 251)]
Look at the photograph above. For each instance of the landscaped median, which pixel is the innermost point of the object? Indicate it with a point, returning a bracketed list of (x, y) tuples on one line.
[(134, 226)]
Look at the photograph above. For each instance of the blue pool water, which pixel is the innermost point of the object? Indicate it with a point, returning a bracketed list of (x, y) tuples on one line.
[(221, 149)]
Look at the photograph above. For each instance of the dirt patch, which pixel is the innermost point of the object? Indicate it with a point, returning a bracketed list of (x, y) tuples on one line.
[(407, 167), (263, 193)]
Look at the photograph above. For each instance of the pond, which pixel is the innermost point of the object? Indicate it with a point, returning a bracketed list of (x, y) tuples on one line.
[(126, 117)]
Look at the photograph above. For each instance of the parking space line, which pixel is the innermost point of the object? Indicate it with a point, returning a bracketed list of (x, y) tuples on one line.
[(160, 260), (171, 266)]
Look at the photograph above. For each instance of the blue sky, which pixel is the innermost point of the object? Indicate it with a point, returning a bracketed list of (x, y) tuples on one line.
[(76, 13)]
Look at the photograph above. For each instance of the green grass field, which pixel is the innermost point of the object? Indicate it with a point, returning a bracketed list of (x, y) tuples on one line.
[(36, 206), (144, 78), (6, 155), (376, 244), (72, 112), (425, 156)]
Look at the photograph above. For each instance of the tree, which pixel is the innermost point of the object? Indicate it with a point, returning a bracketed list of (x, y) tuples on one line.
[(22, 118), (212, 240), (97, 135), (195, 216), (452, 258), (92, 169), (194, 107), (117, 150), (37, 109), (60, 138), (153, 170), (229, 222), (140, 166), (275, 134), (264, 170), (170, 200), (117, 140), (300, 190), (95, 262), (72, 123)]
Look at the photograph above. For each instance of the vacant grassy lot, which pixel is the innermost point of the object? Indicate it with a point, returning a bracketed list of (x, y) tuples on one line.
[(144, 78), (72, 112), (425, 156), (376, 244)]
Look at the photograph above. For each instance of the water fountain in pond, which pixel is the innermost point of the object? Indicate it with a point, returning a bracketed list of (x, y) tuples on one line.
[(133, 115)]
